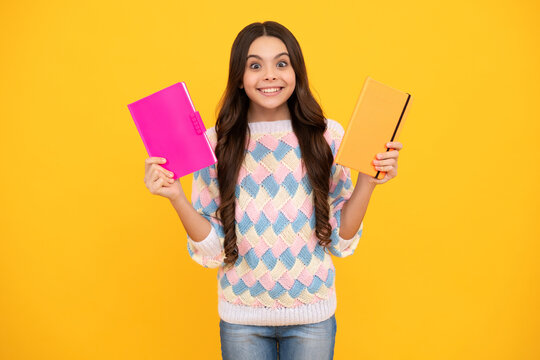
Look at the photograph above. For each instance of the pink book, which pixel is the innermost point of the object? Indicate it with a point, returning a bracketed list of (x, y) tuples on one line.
[(170, 127)]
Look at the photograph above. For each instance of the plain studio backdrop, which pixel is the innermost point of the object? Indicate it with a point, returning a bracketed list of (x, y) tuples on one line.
[(93, 266)]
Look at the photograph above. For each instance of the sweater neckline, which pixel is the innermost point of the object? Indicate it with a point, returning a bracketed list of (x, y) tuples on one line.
[(270, 126)]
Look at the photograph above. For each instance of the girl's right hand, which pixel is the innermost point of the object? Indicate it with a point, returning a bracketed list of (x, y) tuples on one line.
[(159, 180)]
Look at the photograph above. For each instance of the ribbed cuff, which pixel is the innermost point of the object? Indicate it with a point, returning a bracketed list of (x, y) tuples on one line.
[(210, 246), (345, 243)]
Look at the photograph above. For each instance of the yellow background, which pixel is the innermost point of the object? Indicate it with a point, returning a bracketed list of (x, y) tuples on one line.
[(93, 266)]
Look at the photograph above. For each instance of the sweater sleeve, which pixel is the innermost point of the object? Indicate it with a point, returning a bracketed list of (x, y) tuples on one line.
[(341, 189), (205, 199)]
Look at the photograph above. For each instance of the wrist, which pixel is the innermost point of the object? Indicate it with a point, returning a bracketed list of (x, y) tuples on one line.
[(366, 181), (178, 199)]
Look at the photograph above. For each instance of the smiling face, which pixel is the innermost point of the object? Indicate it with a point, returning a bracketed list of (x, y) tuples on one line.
[(269, 79)]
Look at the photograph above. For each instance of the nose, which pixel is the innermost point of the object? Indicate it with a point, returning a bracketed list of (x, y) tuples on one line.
[(270, 74)]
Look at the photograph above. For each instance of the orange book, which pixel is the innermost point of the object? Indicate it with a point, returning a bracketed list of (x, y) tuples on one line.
[(377, 119)]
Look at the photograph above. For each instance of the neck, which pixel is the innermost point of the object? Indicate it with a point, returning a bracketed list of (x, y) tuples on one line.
[(259, 114)]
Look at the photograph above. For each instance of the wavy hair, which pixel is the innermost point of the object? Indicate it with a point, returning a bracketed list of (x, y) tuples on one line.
[(308, 123)]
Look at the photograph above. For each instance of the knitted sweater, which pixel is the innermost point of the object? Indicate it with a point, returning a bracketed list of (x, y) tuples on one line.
[(282, 275)]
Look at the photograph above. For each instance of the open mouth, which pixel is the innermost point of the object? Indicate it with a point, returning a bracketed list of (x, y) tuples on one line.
[(270, 91)]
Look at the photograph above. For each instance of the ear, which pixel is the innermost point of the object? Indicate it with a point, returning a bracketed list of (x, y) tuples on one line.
[(241, 86)]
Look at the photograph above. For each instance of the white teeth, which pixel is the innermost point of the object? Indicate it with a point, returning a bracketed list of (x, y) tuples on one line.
[(270, 90)]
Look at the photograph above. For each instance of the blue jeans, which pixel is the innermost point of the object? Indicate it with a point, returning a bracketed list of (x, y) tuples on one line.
[(298, 342)]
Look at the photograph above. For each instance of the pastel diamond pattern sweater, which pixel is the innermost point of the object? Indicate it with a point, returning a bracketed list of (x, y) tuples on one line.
[(282, 275)]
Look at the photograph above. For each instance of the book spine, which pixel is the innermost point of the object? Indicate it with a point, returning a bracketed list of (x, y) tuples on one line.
[(401, 119), (197, 122), (397, 130), (195, 117), (187, 94)]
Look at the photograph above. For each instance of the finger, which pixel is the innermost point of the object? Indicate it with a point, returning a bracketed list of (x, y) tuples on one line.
[(156, 185), (156, 174), (155, 167), (169, 182), (162, 173), (394, 145), (379, 181), (158, 171), (388, 155), (384, 168), (153, 160), (390, 162)]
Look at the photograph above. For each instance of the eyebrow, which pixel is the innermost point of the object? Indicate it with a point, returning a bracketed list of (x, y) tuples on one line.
[(260, 58)]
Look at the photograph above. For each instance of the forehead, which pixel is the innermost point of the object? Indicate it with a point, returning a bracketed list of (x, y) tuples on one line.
[(267, 46)]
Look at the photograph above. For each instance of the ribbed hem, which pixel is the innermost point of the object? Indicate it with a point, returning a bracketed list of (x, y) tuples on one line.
[(210, 246), (305, 314)]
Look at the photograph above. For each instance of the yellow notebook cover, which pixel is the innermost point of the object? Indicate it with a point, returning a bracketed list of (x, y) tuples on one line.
[(377, 119)]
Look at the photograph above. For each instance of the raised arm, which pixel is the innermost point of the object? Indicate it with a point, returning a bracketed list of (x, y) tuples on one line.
[(197, 227), (355, 207)]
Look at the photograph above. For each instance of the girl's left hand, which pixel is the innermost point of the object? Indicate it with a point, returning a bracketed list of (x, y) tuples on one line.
[(387, 162)]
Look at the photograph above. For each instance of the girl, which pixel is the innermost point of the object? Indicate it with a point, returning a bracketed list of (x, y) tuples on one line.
[(274, 207)]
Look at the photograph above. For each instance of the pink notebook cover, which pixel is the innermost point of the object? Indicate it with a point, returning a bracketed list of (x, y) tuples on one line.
[(170, 127)]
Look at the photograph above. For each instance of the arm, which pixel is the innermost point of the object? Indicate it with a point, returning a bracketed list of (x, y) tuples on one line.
[(346, 228), (197, 227), (347, 205), (341, 191), (355, 208), (204, 229)]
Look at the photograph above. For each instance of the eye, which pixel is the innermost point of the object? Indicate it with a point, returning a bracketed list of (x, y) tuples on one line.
[(282, 62), (254, 66)]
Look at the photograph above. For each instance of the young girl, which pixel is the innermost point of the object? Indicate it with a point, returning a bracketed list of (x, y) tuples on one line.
[(274, 207)]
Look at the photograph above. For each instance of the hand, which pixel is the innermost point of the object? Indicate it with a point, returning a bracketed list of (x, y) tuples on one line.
[(159, 180), (387, 162)]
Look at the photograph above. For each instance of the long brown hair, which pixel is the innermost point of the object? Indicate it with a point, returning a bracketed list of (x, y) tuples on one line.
[(232, 130)]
